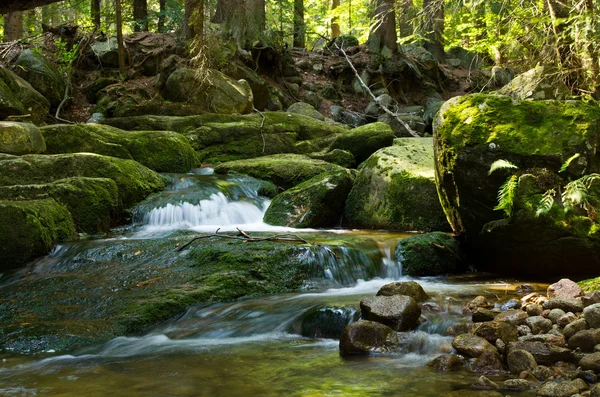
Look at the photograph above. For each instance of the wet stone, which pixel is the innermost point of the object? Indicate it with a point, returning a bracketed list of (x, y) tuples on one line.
[(510, 305), (592, 315), (539, 324), (533, 309), (519, 361), (564, 287), (585, 340), (399, 312), (590, 362), (364, 337), (515, 317), (556, 389), (407, 288), (555, 314), (566, 319), (471, 345), (567, 304), (479, 301), (482, 315), (484, 383), (591, 299), (447, 362), (516, 385), (574, 327)]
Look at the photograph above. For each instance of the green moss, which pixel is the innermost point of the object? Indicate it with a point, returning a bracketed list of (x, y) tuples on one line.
[(318, 202), (20, 138), (364, 141), (340, 157), (30, 229), (93, 202), (133, 180), (284, 170), (395, 189), (590, 285), (430, 254), (162, 151)]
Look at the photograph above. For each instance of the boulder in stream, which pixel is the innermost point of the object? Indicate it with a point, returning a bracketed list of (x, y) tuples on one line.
[(364, 337), (363, 141), (407, 288), (430, 254), (328, 322), (399, 312), (395, 189), (316, 203)]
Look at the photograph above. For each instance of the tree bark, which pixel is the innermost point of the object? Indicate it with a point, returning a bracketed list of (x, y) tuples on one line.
[(383, 39), (335, 24), (434, 27), (95, 8), (119, 22), (140, 15), (256, 18), (13, 25), (407, 13), (299, 27), (193, 23), (162, 15)]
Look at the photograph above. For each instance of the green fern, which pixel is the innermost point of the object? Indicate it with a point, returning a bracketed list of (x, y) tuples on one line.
[(507, 194), (566, 164), (500, 165), (587, 180), (546, 203), (575, 194)]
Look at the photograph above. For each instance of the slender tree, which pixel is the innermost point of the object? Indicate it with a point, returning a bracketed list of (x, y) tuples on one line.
[(382, 38), (299, 26), (335, 24), (13, 25), (193, 23), (95, 11), (140, 15), (433, 27), (162, 15), (119, 22), (256, 17)]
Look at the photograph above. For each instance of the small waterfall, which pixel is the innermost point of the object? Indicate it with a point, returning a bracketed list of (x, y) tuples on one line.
[(217, 211)]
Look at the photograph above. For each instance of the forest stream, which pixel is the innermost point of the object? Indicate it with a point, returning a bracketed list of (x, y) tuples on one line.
[(253, 347)]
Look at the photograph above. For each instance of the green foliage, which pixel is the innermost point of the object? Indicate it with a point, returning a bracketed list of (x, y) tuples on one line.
[(507, 195), (64, 55), (501, 164), (546, 203), (566, 164)]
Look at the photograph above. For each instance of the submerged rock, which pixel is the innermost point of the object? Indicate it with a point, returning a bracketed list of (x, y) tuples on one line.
[(395, 189), (30, 229), (162, 151), (399, 312), (431, 254), (328, 322), (471, 345), (318, 202), (448, 362), (20, 138), (538, 136), (364, 337)]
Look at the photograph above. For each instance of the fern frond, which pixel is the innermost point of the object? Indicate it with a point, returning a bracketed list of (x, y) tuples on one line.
[(507, 194), (566, 164), (501, 164), (589, 179), (576, 193), (546, 203)]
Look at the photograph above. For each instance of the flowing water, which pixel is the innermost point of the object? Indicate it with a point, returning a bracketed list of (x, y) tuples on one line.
[(255, 347)]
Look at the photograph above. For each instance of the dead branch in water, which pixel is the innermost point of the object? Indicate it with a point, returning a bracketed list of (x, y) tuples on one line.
[(246, 238)]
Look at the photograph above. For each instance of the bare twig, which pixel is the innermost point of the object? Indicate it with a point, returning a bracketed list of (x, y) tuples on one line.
[(262, 124), (246, 238), (384, 108)]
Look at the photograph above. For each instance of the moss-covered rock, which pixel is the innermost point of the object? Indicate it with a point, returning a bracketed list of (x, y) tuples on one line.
[(162, 151), (395, 189), (430, 254), (10, 104), (285, 170), (538, 136), (133, 180), (37, 71), (335, 156), (364, 141), (218, 93), (20, 138), (93, 202), (30, 229), (34, 103), (306, 109), (541, 82), (318, 202), (260, 87), (219, 137)]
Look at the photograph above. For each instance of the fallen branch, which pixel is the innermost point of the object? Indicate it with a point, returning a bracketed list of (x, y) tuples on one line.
[(363, 85), (246, 238)]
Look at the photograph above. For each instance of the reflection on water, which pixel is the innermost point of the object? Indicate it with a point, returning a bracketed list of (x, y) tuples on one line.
[(251, 347)]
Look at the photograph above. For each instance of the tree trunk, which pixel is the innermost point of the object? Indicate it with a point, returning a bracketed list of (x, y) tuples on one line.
[(162, 14), (140, 15), (299, 27), (256, 19), (407, 14), (335, 24), (95, 8), (119, 22), (434, 27), (383, 39), (193, 23), (13, 25)]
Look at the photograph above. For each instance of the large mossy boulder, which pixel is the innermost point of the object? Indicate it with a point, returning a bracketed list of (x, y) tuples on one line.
[(395, 189), (284, 170), (10, 104), (364, 141), (474, 131), (42, 75), (431, 254), (219, 137), (133, 180), (30, 229), (18, 97), (20, 138), (93, 202), (162, 151), (216, 92), (318, 202)]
